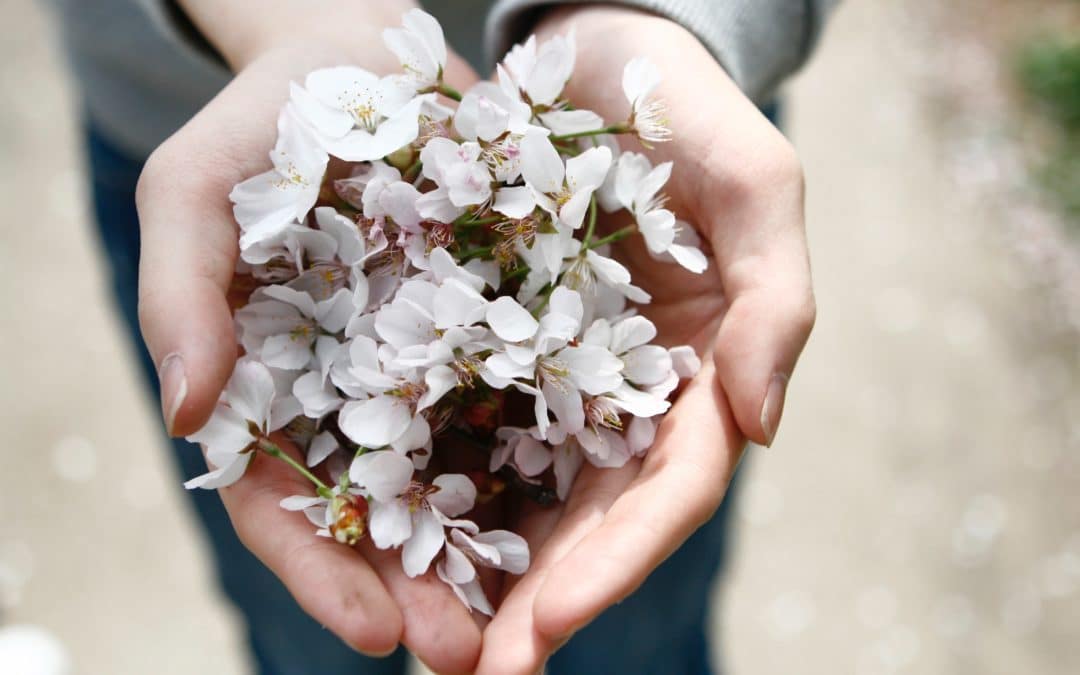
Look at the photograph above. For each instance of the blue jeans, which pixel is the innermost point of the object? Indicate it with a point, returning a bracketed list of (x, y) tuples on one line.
[(661, 629)]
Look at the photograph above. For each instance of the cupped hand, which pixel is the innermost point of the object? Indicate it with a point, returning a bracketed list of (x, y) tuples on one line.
[(189, 253), (739, 184)]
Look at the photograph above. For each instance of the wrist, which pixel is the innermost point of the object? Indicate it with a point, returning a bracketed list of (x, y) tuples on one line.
[(241, 35)]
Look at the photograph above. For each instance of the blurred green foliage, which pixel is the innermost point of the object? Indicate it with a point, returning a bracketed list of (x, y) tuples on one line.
[(1048, 70)]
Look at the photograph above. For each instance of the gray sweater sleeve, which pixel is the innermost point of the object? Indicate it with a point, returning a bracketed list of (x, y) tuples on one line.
[(758, 42)]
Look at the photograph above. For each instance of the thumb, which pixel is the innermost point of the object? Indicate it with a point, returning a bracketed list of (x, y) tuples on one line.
[(188, 254), (765, 273)]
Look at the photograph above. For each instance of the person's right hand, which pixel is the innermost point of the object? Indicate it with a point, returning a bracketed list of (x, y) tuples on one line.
[(189, 252)]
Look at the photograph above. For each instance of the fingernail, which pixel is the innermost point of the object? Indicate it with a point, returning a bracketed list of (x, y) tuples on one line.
[(173, 388), (773, 407)]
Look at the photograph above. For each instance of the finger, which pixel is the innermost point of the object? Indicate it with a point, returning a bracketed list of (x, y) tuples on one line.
[(760, 246), (437, 627), (331, 582), (512, 642), (682, 482), (189, 243)]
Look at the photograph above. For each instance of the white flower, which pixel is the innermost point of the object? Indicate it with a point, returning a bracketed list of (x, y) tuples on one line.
[(521, 449), (406, 513), (497, 549), (457, 169), (648, 118), (356, 115), (637, 187), (562, 191), (227, 436), (268, 203), (420, 47), (281, 325), (540, 73), (539, 360)]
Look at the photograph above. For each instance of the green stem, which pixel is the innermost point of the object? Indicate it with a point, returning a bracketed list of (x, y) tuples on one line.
[(412, 172), (592, 222), (613, 129), (549, 289), (521, 271), (268, 446), (475, 253), (611, 238), (448, 91)]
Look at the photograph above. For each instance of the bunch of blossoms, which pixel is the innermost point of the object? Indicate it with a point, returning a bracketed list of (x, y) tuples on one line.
[(434, 318)]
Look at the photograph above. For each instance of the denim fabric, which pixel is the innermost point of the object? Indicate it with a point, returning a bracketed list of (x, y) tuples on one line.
[(661, 629)]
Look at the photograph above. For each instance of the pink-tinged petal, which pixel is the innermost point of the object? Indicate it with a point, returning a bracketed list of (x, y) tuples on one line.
[(384, 474), (300, 502), (321, 447), (588, 170), (376, 422), (631, 332), (513, 549), (250, 391), (568, 461), (455, 496), (416, 436), (640, 434), (514, 202), (510, 321), (604, 448), (425, 543), (685, 361), (646, 365), (531, 456), (226, 432), (390, 523), (439, 381), (223, 476), (541, 165)]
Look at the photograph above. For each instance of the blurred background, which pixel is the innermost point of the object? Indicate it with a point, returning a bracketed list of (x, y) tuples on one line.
[(920, 510)]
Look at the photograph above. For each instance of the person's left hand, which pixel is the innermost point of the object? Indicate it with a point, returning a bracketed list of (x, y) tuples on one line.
[(738, 181)]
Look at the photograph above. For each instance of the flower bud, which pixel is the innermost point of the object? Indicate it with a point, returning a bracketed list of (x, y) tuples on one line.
[(348, 518)]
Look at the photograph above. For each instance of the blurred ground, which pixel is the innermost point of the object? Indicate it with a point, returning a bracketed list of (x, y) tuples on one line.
[(919, 513)]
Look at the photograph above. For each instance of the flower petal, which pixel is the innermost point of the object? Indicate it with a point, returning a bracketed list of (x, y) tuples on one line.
[(510, 321), (455, 496), (424, 544), (384, 474), (376, 422)]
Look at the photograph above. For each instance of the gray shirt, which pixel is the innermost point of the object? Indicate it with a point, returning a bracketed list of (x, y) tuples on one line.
[(143, 71)]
